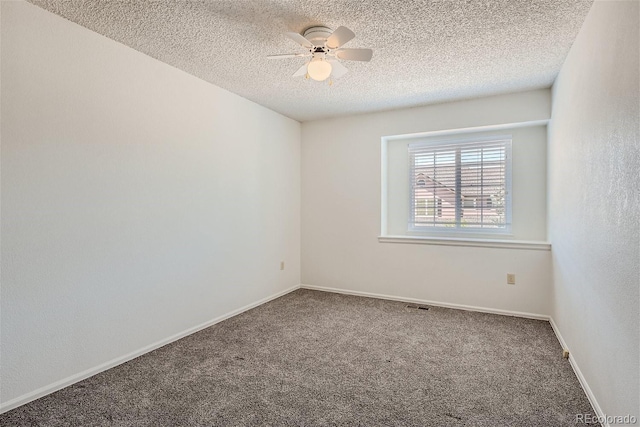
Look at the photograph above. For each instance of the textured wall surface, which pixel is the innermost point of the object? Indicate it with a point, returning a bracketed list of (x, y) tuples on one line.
[(424, 51), (341, 213), (137, 200), (594, 221)]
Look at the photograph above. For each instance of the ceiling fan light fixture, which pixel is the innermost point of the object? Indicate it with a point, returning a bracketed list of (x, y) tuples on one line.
[(319, 69), (325, 49)]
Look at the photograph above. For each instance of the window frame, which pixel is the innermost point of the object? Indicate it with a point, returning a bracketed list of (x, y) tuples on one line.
[(412, 229)]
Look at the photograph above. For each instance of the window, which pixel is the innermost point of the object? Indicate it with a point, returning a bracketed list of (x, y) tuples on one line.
[(461, 185), (428, 207)]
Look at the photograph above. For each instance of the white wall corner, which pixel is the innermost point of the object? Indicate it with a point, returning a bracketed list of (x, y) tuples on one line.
[(66, 382), (576, 369)]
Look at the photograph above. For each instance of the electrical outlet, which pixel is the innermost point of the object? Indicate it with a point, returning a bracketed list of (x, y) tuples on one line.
[(511, 279), (281, 265)]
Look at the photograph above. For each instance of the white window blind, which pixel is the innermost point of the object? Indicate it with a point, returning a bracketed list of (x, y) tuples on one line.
[(461, 186)]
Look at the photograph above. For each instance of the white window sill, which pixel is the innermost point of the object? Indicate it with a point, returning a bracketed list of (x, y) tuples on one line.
[(463, 241)]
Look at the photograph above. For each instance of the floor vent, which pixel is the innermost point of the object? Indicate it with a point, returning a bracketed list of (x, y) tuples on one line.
[(418, 307)]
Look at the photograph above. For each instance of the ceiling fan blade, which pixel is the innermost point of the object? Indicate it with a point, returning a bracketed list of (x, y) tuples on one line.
[(355, 54), (288, 55), (301, 71), (298, 38), (337, 69), (339, 37)]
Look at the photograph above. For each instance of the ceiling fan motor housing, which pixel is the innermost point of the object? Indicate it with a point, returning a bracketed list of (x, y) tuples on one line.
[(317, 35)]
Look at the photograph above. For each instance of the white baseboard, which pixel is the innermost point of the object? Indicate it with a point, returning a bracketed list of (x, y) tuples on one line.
[(563, 343), (48, 389), (429, 302), (578, 372)]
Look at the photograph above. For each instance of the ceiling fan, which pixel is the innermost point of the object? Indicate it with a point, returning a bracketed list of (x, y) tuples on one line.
[(324, 47)]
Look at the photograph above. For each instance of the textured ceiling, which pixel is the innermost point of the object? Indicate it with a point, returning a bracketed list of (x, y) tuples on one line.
[(424, 51)]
